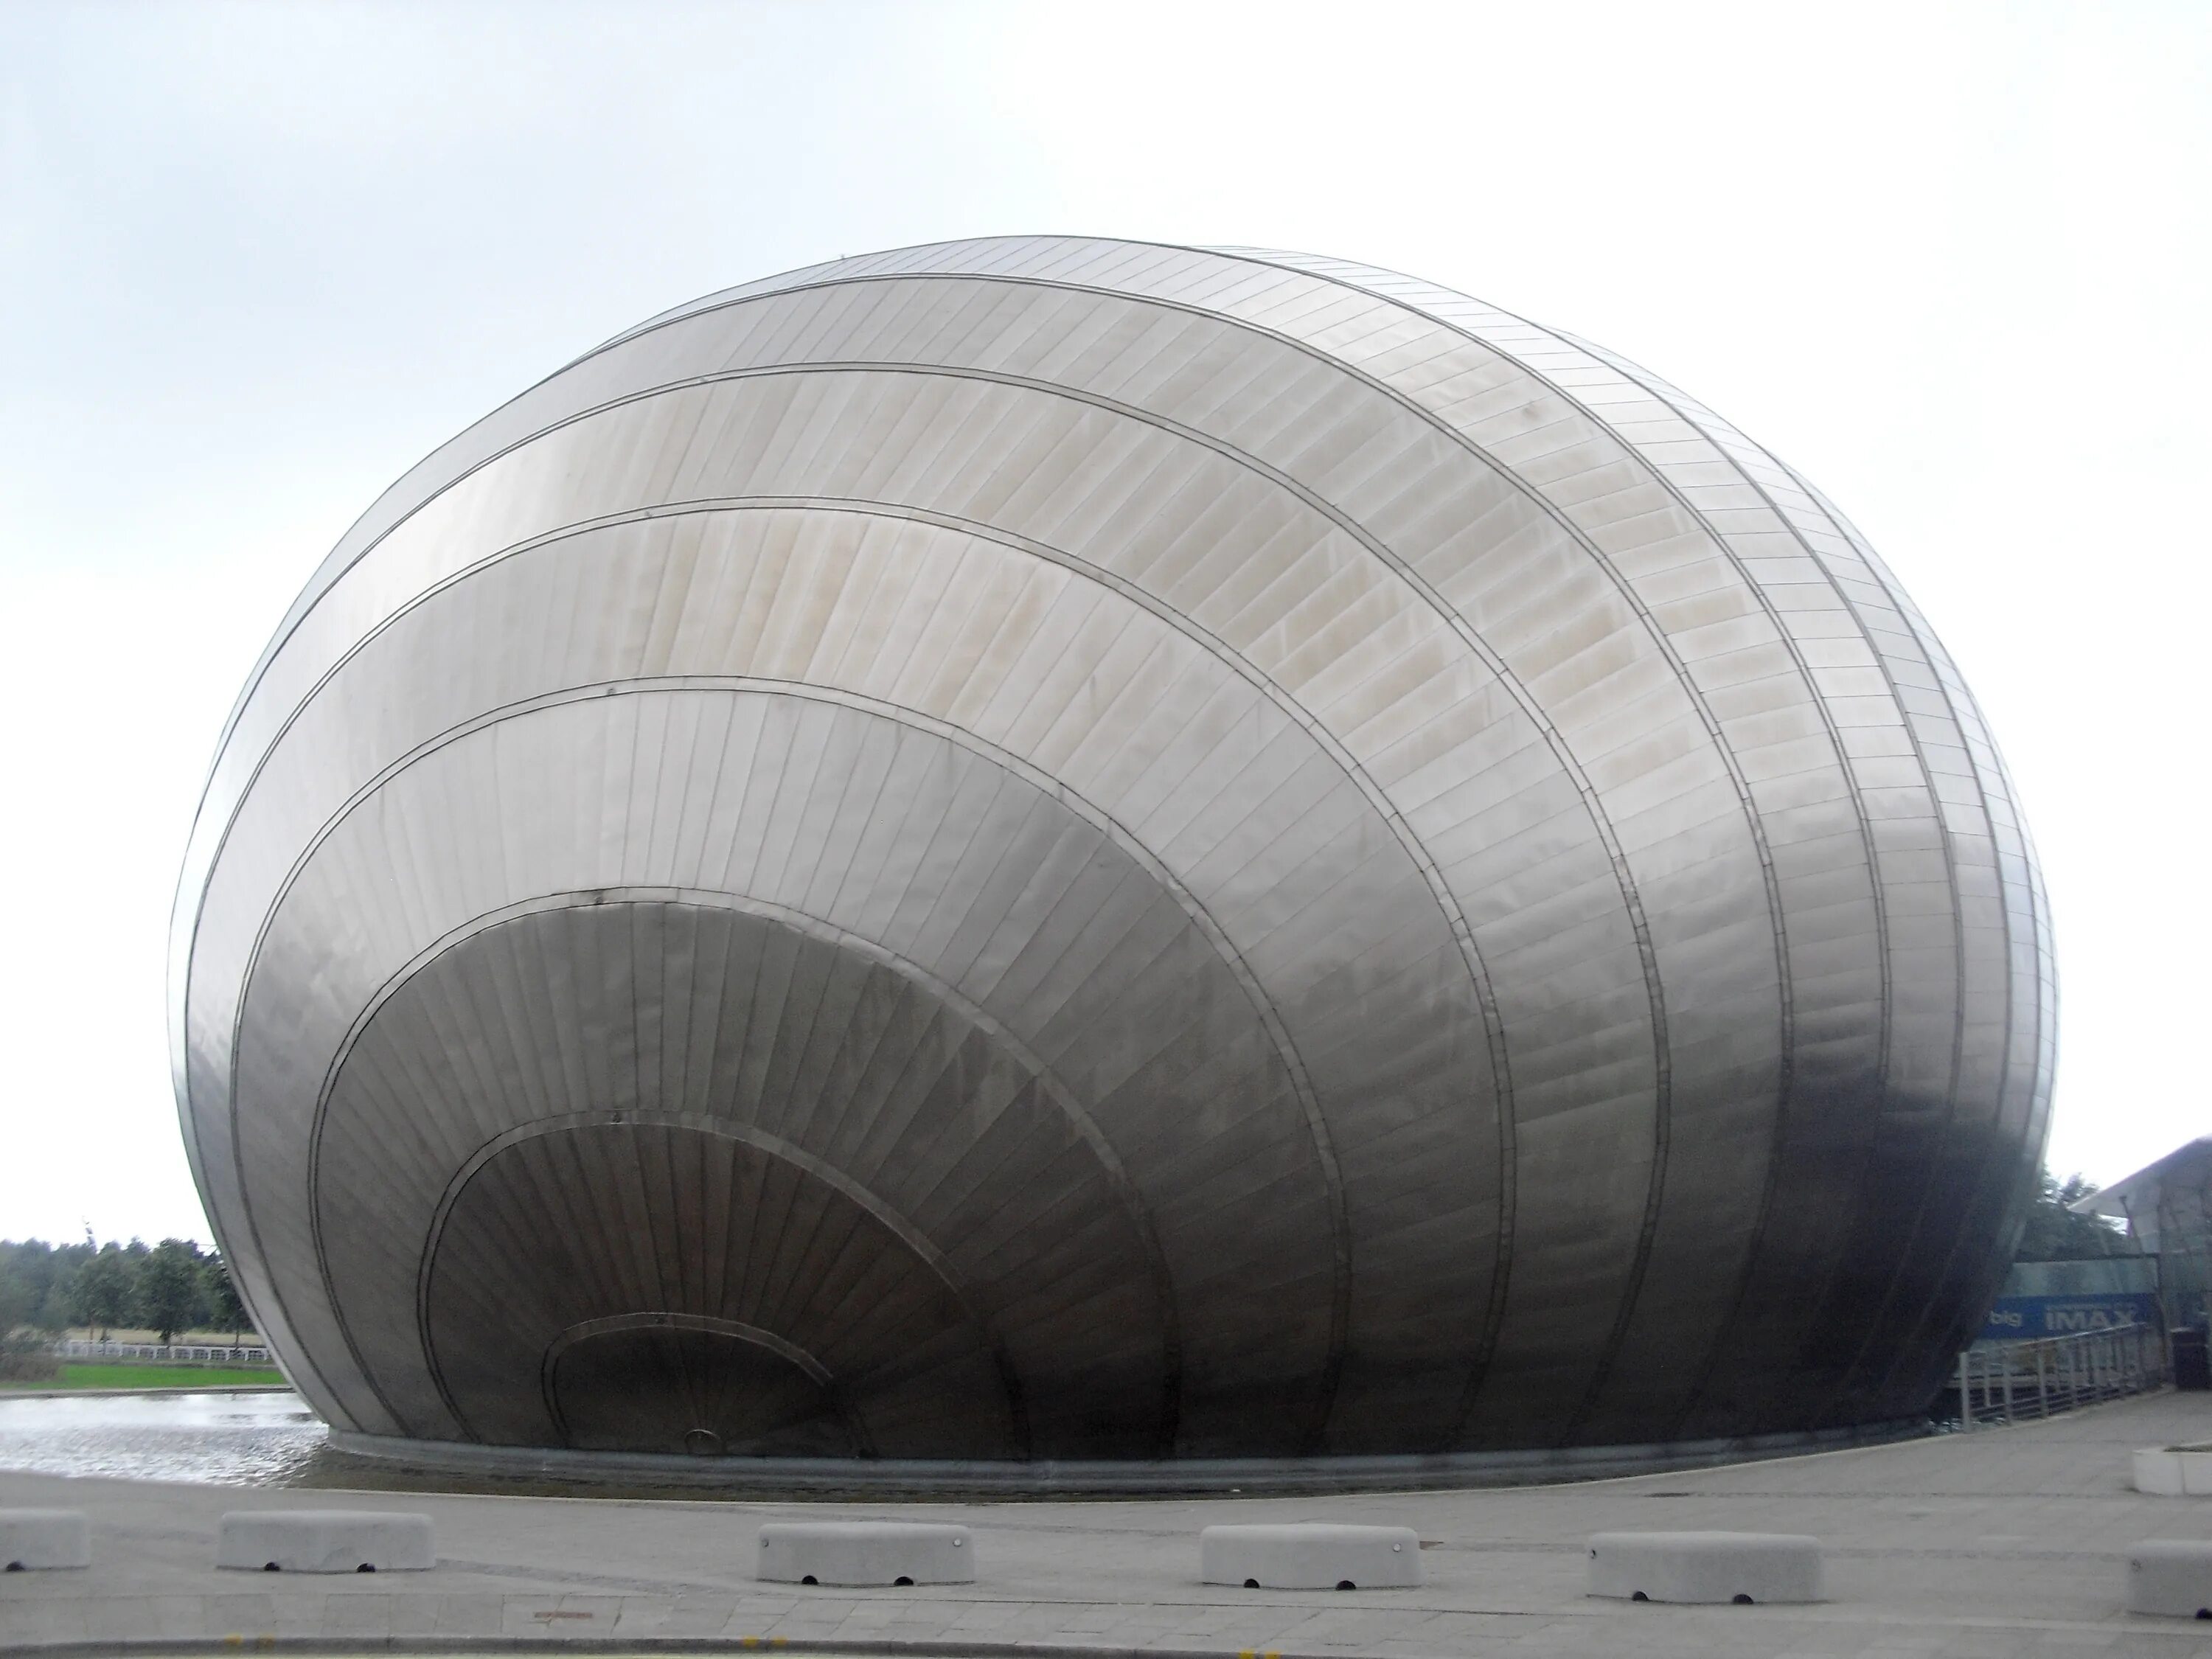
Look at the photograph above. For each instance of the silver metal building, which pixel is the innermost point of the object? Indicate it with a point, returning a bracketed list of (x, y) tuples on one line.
[(1047, 848)]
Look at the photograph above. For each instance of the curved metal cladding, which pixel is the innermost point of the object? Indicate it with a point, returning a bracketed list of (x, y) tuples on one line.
[(1060, 848)]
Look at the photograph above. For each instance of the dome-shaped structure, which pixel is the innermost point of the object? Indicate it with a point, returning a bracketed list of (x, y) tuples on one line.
[(1054, 849)]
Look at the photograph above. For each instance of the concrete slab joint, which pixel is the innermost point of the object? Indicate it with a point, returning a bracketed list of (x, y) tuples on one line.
[(326, 1541), (896, 1552), (31, 1540), (1311, 1555), (1706, 1566), (2170, 1578)]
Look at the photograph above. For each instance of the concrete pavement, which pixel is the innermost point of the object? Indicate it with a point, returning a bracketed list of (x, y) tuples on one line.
[(1996, 1543)]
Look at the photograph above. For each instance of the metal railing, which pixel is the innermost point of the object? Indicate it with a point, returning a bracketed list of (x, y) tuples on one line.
[(2018, 1381), (171, 1354)]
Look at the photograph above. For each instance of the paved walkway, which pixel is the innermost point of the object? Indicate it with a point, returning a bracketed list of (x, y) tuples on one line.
[(1998, 1543)]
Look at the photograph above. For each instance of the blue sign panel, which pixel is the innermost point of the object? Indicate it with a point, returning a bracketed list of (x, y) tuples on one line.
[(2017, 1317)]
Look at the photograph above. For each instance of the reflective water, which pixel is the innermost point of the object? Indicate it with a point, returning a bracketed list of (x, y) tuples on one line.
[(244, 1439), (251, 1438)]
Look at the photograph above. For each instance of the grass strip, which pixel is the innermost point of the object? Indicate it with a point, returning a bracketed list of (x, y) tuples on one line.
[(113, 1375)]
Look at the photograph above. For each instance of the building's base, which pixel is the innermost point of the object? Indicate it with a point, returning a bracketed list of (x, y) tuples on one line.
[(767, 1477)]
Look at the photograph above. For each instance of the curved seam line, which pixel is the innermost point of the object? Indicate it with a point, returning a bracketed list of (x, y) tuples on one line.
[(1662, 1057), (762, 290), (1192, 906), (1950, 869), (1950, 872), (800, 922), (1606, 360), (856, 1430), (179, 1066), (1505, 474), (1561, 751), (1785, 996), (1086, 1128), (1929, 649), (703, 1123), (676, 684), (669, 1319), (826, 931), (1416, 851), (1662, 1135), (1879, 900), (1194, 910)]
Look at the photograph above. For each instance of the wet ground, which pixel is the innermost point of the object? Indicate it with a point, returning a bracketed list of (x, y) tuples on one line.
[(251, 1438), (265, 1438)]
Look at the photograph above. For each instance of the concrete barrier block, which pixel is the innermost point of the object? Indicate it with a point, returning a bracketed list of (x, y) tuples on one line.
[(326, 1541), (1706, 1566), (866, 1552), (2171, 1578), (32, 1540), (1311, 1556), (2174, 1471), (2157, 1472)]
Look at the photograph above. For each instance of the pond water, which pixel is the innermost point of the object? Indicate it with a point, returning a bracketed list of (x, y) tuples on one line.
[(251, 1438)]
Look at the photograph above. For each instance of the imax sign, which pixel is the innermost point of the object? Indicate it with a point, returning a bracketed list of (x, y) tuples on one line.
[(2016, 1318)]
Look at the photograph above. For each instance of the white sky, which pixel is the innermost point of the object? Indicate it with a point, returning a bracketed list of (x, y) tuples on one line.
[(255, 260)]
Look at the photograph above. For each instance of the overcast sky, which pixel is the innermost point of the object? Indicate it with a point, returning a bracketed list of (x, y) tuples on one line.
[(1955, 264)]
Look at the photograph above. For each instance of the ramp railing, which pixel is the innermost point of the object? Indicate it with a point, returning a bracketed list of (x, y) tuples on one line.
[(2016, 1382)]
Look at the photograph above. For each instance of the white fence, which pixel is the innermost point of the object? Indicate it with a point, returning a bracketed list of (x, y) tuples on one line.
[(2015, 1382), (169, 1354)]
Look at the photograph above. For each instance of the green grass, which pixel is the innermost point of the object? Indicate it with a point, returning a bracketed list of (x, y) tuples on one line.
[(77, 1376)]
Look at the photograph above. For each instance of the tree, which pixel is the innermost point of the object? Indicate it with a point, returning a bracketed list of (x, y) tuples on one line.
[(24, 1355), (99, 1295), (40, 1272), (2055, 1233), (225, 1308), (54, 1316), (169, 1297), (19, 1299)]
